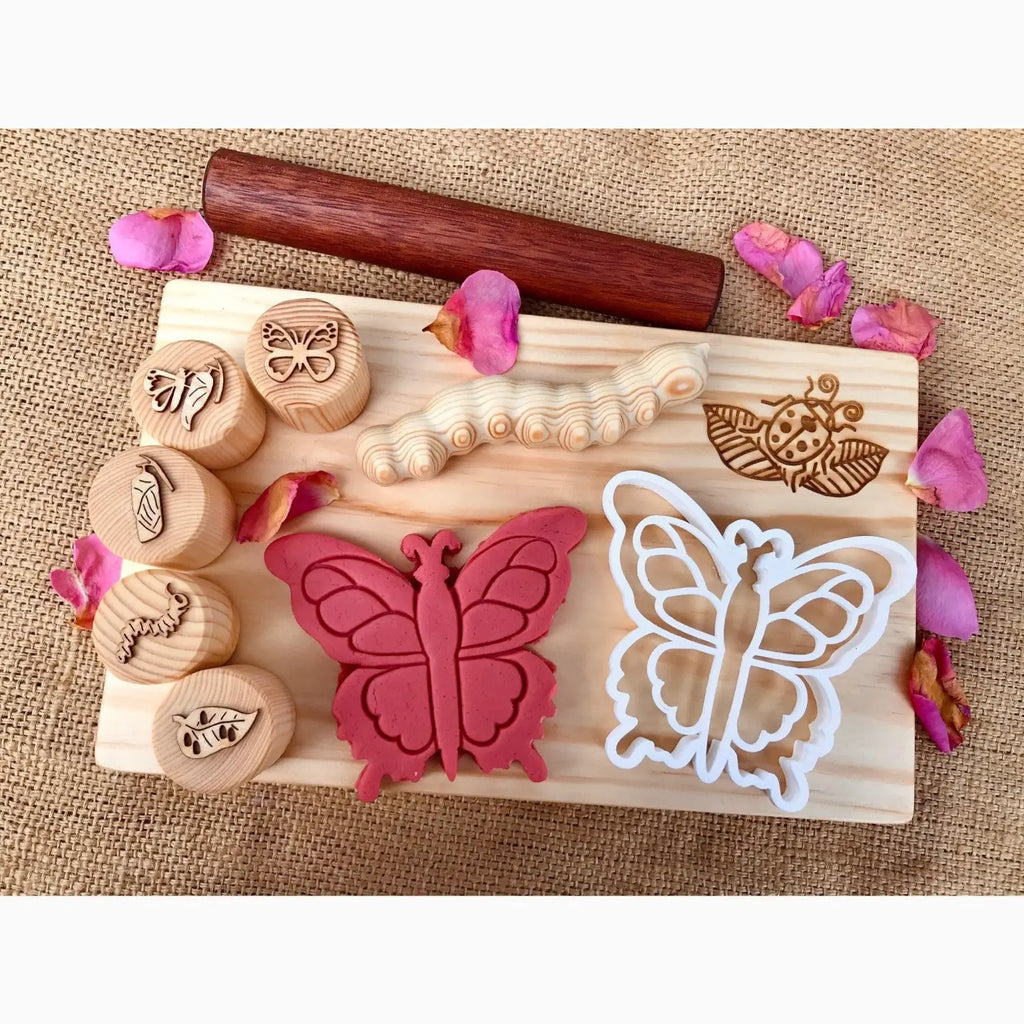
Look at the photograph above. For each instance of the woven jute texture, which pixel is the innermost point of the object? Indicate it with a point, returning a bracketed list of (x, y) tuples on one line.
[(935, 216)]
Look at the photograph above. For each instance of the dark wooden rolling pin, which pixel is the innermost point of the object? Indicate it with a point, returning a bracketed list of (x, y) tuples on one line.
[(429, 234)]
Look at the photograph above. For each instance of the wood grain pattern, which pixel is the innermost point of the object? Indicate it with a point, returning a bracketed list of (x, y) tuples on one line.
[(496, 410), (303, 403), (243, 688), (220, 433), (868, 776), (198, 516), (205, 637), (430, 234)]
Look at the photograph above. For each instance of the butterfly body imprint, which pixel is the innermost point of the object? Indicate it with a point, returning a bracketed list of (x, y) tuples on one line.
[(435, 662)]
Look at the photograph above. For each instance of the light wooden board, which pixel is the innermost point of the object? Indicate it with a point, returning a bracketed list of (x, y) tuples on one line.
[(868, 776)]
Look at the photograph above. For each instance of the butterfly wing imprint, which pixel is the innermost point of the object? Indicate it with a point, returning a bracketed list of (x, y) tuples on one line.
[(508, 593), (430, 668), (756, 589)]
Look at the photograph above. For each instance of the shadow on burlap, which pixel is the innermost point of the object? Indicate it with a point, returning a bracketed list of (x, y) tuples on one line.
[(935, 216)]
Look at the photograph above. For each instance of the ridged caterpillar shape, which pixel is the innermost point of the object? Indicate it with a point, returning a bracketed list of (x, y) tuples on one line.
[(493, 410)]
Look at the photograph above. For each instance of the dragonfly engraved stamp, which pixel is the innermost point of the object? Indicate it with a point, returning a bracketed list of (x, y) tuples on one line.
[(165, 625), (147, 501), (797, 443), (296, 349), (187, 390)]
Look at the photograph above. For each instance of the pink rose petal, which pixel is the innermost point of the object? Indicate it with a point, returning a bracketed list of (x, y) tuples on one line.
[(937, 697), (96, 571), (948, 471), (163, 238), (901, 326), (945, 601), (822, 300), (787, 261), (287, 497), (480, 322)]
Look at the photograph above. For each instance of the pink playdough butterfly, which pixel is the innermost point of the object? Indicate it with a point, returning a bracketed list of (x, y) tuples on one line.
[(429, 665)]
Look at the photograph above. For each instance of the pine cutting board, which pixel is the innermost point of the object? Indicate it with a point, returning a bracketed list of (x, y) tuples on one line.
[(868, 776)]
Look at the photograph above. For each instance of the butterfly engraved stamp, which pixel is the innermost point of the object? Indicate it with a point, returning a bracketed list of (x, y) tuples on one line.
[(164, 626), (189, 391), (297, 349), (797, 443), (204, 731), (739, 587), (147, 504), (434, 661)]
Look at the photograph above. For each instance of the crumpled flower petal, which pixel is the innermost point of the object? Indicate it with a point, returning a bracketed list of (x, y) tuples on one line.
[(823, 299), (948, 470), (163, 238), (96, 570), (901, 326), (790, 262), (480, 322), (287, 497), (945, 601), (937, 697)]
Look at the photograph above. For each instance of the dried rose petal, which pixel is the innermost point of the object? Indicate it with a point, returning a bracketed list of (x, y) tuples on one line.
[(287, 497), (948, 471), (163, 238), (787, 261), (480, 322), (822, 300), (96, 571), (901, 326), (945, 601), (938, 699)]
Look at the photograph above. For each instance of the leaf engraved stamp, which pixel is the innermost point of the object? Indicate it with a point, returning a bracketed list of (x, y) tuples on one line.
[(147, 504), (296, 349), (187, 390), (797, 443), (204, 731), (165, 625)]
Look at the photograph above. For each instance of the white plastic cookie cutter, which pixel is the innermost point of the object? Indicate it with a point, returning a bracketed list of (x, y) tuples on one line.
[(810, 673)]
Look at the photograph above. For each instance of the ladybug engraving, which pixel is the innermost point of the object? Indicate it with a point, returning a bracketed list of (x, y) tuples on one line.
[(798, 443)]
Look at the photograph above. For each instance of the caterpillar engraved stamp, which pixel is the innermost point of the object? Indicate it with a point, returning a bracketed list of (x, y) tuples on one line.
[(797, 444), (305, 358), (193, 396), (156, 625), (165, 625)]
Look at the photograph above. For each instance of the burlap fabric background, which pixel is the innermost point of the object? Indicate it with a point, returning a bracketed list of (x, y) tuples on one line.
[(935, 216)]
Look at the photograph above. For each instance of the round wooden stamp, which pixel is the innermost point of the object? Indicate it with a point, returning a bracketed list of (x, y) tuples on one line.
[(156, 626), (155, 505), (223, 726), (304, 357), (193, 396)]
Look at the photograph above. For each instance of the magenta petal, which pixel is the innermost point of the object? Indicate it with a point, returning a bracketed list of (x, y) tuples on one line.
[(929, 715), (290, 495), (96, 571), (901, 326), (787, 261), (167, 240), (945, 601), (948, 471), (480, 322), (68, 585), (822, 300)]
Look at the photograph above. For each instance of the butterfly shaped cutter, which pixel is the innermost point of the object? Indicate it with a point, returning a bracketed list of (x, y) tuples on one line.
[(434, 662), (677, 557)]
